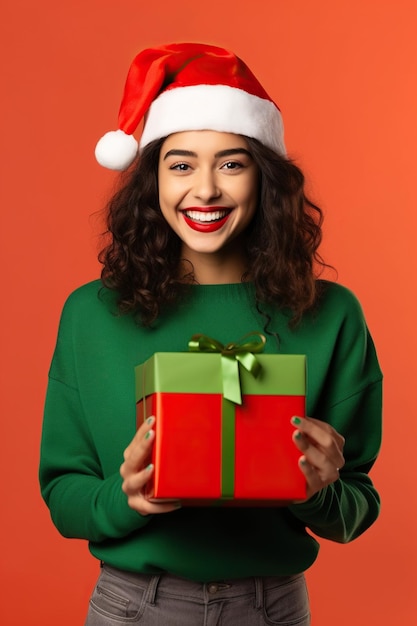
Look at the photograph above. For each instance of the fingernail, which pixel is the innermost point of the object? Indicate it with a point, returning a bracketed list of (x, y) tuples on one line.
[(149, 467), (298, 435), (148, 434), (303, 460), (150, 420), (296, 421)]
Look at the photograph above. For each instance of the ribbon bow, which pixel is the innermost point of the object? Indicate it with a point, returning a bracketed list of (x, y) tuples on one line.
[(232, 354)]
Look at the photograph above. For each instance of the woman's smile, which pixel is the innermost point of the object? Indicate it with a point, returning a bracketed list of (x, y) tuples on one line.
[(206, 219)]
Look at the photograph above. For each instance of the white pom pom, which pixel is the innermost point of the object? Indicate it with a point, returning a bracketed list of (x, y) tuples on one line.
[(116, 150)]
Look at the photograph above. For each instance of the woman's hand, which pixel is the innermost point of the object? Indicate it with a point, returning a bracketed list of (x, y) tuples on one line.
[(135, 475), (322, 448)]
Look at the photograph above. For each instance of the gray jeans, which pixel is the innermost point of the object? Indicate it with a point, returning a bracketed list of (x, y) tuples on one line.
[(122, 598)]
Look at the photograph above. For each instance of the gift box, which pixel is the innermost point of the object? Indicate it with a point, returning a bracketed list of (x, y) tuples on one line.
[(223, 432)]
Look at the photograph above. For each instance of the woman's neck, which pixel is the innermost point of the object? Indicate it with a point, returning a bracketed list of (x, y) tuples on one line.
[(223, 267)]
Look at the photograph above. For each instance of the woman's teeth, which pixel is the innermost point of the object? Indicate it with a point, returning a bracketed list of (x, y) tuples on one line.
[(204, 216)]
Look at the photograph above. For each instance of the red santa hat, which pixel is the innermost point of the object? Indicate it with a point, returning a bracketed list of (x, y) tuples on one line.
[(189, 86)]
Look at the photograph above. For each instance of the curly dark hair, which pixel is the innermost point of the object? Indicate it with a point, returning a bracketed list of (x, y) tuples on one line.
[(142, 259)]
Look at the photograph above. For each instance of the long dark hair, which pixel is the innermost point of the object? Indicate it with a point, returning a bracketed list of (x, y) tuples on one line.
[(142, 259)]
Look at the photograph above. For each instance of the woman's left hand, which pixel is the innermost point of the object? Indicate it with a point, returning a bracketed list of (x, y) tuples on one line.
[(322, 448)]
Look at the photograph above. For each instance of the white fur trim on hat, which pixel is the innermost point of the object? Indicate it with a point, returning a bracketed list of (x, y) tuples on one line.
[(214, 107)]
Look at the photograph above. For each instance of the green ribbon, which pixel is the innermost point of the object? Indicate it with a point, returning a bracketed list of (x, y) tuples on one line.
[(232, 354)]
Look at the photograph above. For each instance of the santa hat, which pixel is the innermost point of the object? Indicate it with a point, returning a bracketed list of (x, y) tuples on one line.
[(189, 86)]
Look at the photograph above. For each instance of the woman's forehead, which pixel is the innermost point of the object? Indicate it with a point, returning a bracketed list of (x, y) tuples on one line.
[(206, 137), (203, 142)]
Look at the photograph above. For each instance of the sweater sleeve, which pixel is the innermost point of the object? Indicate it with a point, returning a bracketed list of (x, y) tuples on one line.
[(82, 502), (351, 401), (345, 509)]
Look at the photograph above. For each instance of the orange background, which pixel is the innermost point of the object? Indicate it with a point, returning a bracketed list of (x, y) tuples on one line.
[(344, 75)]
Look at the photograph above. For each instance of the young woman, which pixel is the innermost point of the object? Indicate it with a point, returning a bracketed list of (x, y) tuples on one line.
[(210, 232)]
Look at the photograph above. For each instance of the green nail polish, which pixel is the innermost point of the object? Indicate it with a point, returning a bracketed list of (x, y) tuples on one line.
[(296, 421), (298, 435), (150, 420), (148, 434), (149, 467)]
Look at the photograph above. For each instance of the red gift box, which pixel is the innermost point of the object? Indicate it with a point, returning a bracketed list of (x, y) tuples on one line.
[(208, 448)]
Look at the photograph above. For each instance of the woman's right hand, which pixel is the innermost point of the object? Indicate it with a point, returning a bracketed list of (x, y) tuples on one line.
[(135, 475)]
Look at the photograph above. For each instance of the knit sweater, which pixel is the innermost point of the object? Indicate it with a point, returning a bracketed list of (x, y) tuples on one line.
[(90, 419)]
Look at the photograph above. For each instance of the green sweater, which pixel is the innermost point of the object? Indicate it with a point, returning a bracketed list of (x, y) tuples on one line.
[(90, 419)]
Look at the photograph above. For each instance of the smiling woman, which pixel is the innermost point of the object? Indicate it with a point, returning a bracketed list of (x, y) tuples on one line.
[(210, 232), (145, 262), (208, 194)]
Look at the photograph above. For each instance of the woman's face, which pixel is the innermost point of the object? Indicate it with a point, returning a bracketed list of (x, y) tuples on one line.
[(208, 189)]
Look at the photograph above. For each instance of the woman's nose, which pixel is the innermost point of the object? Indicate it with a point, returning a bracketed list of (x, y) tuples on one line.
[(205, 185)]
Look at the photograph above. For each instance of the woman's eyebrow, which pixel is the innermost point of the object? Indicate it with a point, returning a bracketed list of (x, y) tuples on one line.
[(186, 153), (231, 152), (221, 153)]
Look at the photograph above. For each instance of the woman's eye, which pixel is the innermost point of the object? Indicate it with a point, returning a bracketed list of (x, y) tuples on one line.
[(232, 165), (180, 167)]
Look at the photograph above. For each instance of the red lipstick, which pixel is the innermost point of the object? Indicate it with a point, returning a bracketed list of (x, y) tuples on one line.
[(205, 225)]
